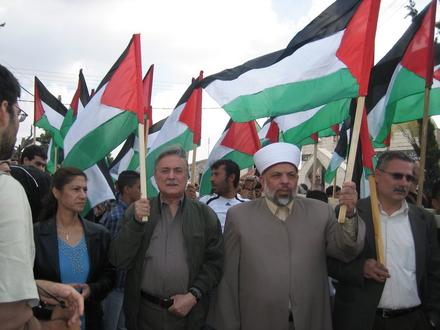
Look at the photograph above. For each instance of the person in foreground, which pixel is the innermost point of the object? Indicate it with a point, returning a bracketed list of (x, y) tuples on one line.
[(72, 250), (403, 293), (18, 289), (275, 274), (174, 259)]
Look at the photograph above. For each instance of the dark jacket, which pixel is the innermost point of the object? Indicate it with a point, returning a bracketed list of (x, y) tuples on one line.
[(357, 297), (204, 245), (101, 276)]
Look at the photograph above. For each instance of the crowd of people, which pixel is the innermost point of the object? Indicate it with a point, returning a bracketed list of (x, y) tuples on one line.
[(255, 254)]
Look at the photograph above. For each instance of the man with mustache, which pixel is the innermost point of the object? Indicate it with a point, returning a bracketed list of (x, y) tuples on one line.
[(403, 293), (174, 259), (275, 274)]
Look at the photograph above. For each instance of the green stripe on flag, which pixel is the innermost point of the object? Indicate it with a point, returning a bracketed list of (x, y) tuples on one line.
[(95, 145), (293, 97)]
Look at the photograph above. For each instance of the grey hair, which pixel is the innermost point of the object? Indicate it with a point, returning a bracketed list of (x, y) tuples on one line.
[(172, 151), (388, 156)]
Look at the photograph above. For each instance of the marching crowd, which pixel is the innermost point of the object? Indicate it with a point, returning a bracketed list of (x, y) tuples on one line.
[(252, 255)]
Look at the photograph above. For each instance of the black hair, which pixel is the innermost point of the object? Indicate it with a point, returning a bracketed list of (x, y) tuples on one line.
[(30, 152), (9, 88), (231, 168), (436, 190), (388, 156), (329, 190), (127, 179), (317, 194), (62, 177)]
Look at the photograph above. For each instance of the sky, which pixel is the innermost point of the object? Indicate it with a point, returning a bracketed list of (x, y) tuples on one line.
[(53, 39)]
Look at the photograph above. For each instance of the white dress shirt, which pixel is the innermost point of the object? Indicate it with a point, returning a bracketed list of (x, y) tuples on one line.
[(400, 289)]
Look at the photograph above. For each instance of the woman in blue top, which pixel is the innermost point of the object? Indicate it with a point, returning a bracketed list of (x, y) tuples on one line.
[(72, 250)]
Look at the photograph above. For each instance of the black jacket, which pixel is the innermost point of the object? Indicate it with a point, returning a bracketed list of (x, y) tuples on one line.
[(204, 245), (101, 278), (357, 298)]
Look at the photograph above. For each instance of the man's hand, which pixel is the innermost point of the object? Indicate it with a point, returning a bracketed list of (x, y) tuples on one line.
[(141, 209), (191, 191), (182, 304), (348, 197), (375, 270), (73, 300)]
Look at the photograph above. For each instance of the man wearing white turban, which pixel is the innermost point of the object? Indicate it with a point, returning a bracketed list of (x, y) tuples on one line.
[(275, 273)]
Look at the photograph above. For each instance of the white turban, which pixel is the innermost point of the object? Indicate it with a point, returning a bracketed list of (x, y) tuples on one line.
[(276, 153)]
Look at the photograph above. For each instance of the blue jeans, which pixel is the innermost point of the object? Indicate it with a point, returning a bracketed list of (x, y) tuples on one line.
[(114, 318)]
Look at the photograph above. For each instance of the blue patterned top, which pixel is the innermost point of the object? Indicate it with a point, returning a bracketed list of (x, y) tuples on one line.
[(74, 264)]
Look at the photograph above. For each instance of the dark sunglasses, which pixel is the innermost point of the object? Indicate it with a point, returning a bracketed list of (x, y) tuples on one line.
[(21, 114), (400, 176)]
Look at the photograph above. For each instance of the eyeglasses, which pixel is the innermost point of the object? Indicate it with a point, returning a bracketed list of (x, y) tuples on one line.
[(22, 115), (400, 176)]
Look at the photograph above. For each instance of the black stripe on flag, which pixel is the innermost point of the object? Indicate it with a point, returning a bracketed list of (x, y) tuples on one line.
[(49, 99), (334, 19)]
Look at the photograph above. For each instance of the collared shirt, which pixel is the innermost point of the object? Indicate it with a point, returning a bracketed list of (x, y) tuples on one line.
[(166, 270), (281, 212), (400, 289), (113, 222), (221, 205), (350, 225)]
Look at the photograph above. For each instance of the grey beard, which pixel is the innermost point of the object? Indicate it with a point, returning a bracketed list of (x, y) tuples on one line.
[(283, 201)]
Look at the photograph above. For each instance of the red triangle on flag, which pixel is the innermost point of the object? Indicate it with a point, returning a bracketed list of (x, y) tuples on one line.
[(366, 146), (148, 87), (357, 45), (273, 133), (242, 137), (315, 137), (191, 114), (419, 54), (124, 90), (75, 100), (38, 106), (335, 129)]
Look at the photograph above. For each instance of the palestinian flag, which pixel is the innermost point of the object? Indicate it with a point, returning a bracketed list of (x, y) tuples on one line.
[(404, 72), (182, 128), (79, 102), (296, 127), (329, 60), (314, 138), (100, 187), (238, 142), (49, 112), (339, 154), (50, 163), (269, 133), (112, 114), (128, 156)]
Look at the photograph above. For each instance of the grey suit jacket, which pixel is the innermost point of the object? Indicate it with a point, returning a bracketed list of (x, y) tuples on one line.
[(357, 298), (269, 262)]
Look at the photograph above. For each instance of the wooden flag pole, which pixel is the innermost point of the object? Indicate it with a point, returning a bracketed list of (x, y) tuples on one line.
[(376, 220), (315, 155), (423, 144), (193, 165), (353, 149), (55, 158), (142, 167), (336, 173)]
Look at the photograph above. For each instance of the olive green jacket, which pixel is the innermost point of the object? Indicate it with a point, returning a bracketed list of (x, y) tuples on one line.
[(204, 245)]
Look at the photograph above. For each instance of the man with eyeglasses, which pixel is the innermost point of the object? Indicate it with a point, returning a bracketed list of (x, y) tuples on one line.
[(403, 293), (19, 291)]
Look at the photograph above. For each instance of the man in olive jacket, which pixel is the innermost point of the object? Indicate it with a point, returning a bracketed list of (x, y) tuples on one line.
[(174, 259)]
